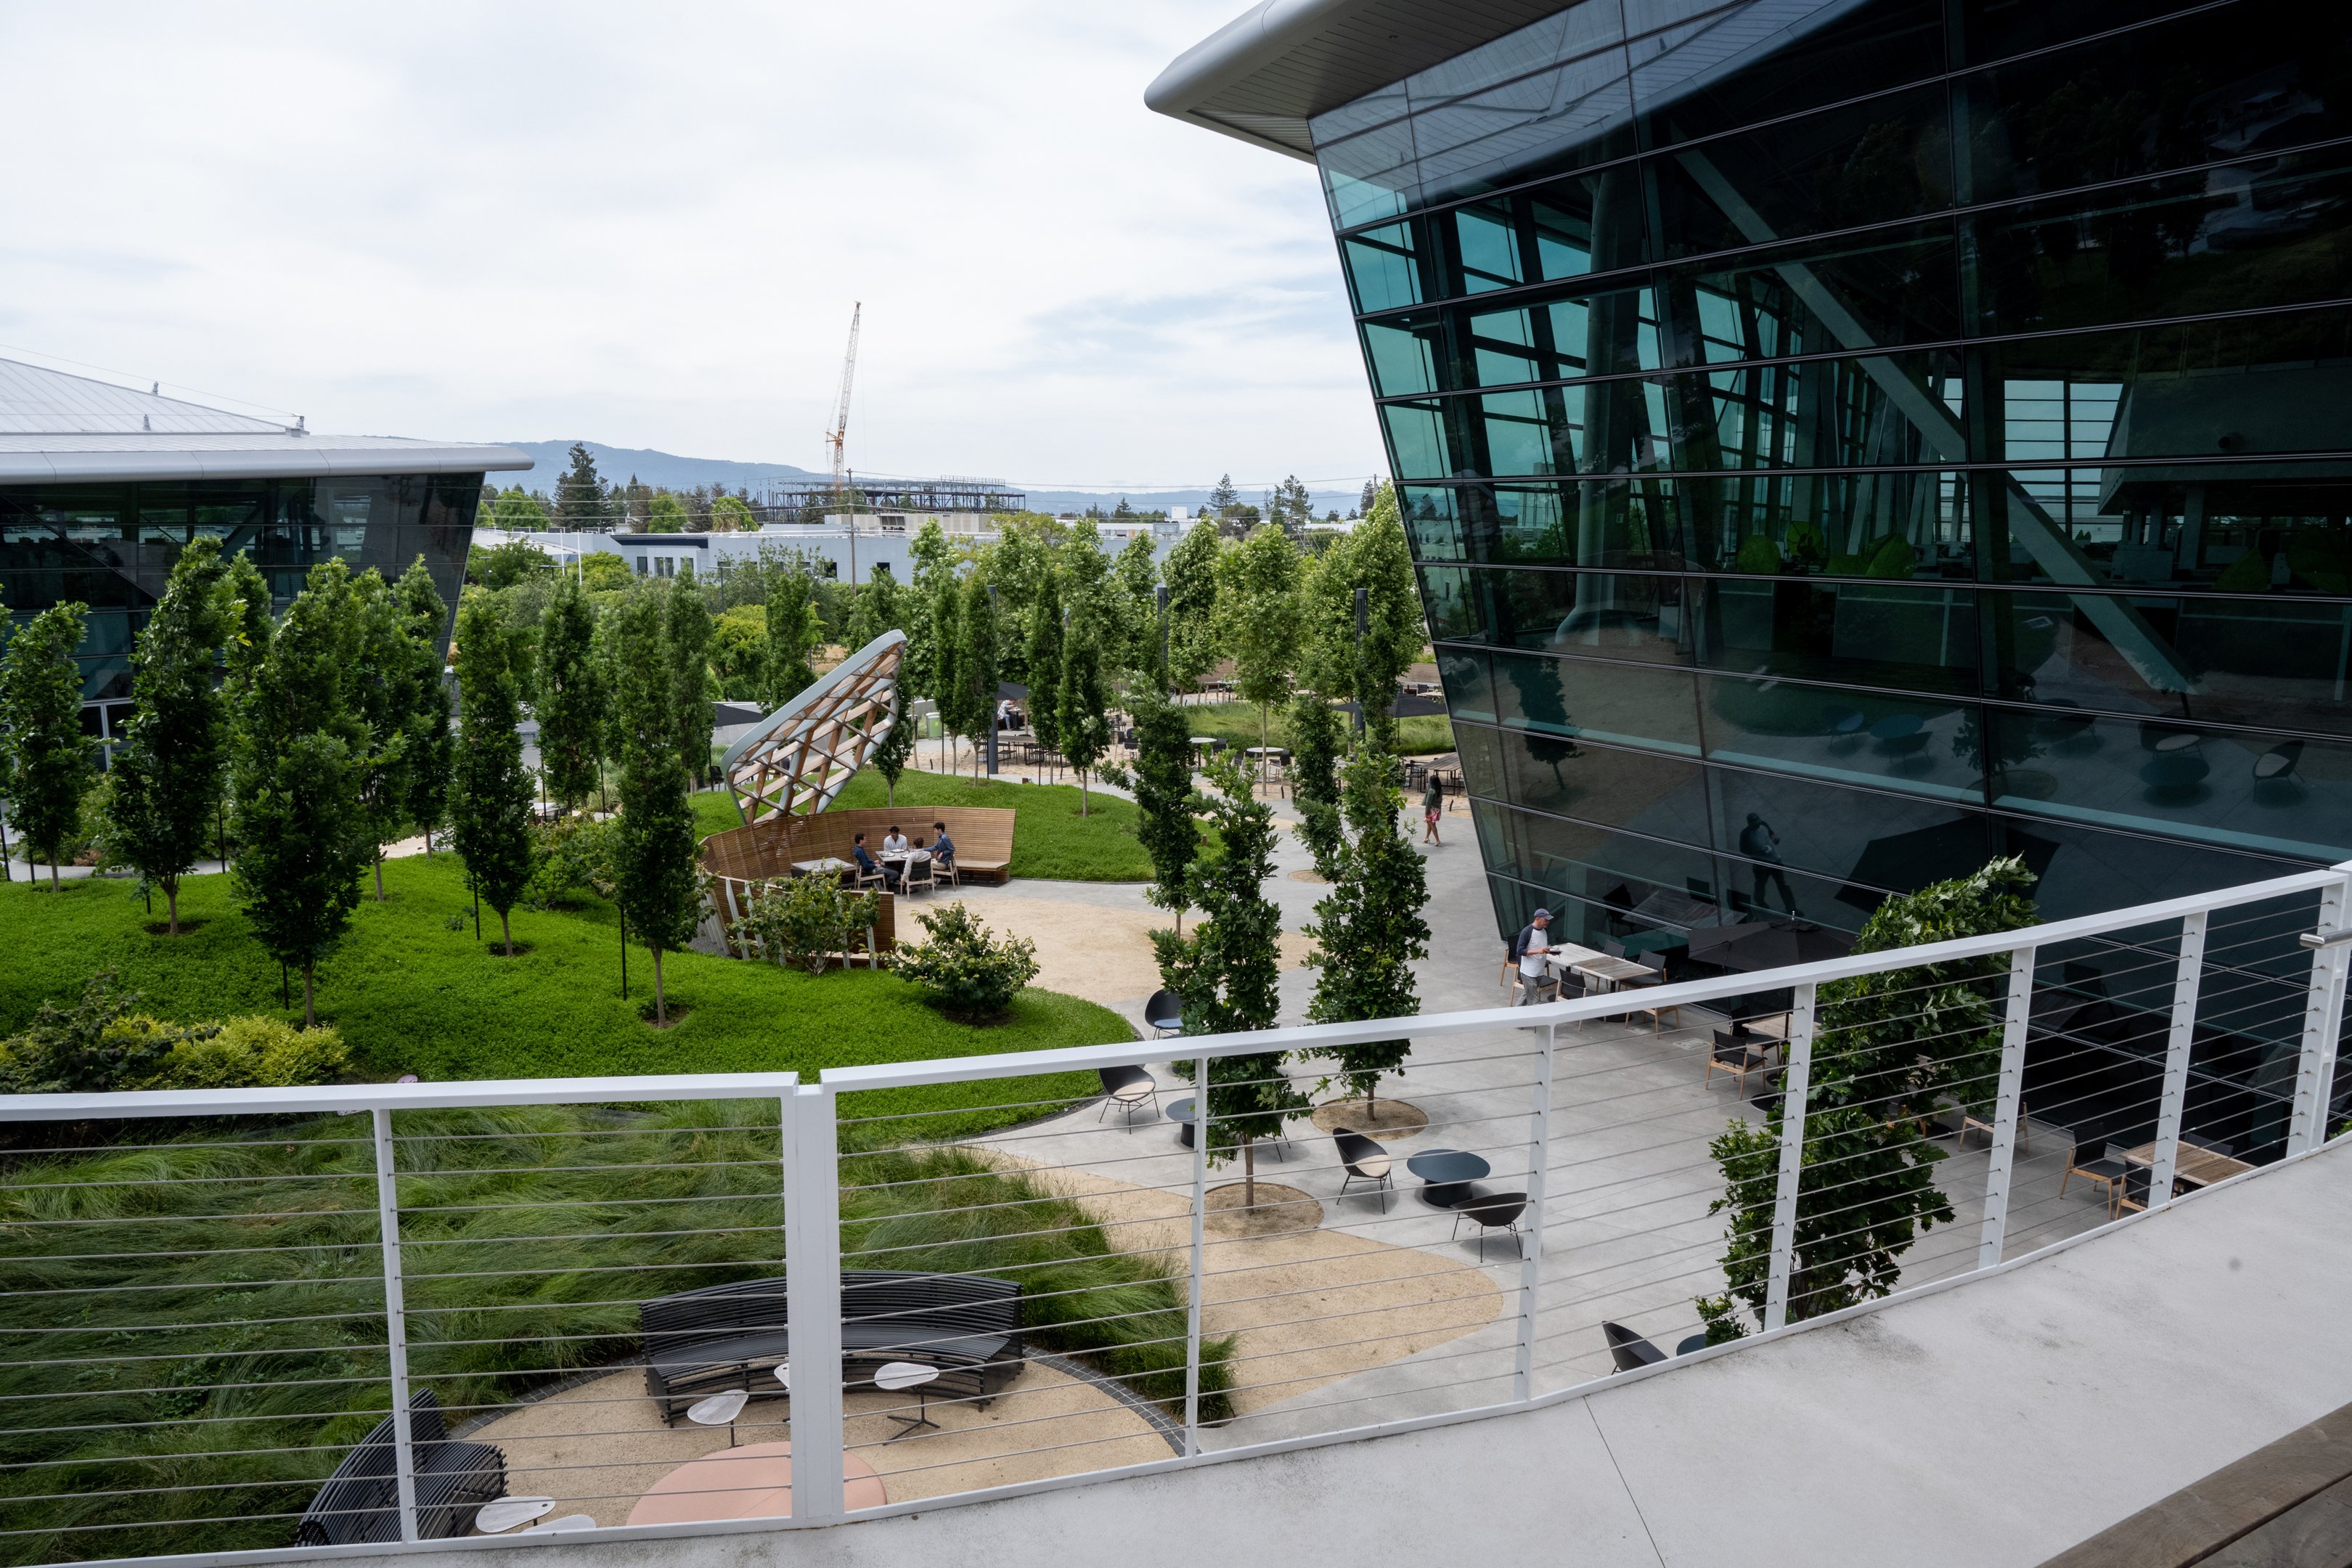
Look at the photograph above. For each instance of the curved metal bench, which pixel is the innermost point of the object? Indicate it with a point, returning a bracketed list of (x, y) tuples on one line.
[(360, 1503), (734, 1336)]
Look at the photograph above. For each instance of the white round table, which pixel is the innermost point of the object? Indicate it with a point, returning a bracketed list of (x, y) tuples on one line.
[(896, 1377), (501, 1514)]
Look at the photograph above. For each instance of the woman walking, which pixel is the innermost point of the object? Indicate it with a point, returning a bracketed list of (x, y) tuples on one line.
[(1432, 806)]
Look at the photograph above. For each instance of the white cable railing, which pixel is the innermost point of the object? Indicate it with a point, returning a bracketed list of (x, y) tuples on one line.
[(272, 1329)]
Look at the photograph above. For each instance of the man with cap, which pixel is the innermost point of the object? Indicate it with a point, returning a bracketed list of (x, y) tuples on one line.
[(1531, 945)]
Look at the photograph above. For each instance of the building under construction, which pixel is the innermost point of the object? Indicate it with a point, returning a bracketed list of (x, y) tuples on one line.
[(805, 501)]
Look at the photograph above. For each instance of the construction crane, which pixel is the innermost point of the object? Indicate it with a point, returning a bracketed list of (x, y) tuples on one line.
[(838, 436)]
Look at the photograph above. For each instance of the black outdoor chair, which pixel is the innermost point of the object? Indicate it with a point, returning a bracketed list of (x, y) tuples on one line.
[(2088, 1160), (1736, 1054), (1491, 1212), (1128, 1088), (1164, 1013), (1629, 1350), (2135, 1190), (1365, 1160), (2210, 1145)]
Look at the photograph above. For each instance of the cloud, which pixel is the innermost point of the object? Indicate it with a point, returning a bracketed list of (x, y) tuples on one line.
[(646, 226)]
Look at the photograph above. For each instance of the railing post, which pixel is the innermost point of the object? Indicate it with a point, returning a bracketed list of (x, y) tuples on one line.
[(2323, 1021), (1523, 1372), (2007, 1090), (1192, 1293), (395, 1322), (1793, 1077), (2181, 1036), (813, 1299)]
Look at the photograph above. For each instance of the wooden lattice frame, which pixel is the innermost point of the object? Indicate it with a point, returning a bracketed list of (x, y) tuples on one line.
[(799, 758)]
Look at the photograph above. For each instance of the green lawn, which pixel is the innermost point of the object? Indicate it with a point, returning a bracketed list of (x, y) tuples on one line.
[(1050, 839), (410, 995), (530, 1234), (1236, 724)]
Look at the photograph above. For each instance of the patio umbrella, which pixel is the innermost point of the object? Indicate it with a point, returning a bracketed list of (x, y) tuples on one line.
[(1753, 946)]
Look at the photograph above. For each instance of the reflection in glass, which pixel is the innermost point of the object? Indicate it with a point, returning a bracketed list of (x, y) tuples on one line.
[(1904, 635), (2241, 790), (1626, 705), (1911, 744)]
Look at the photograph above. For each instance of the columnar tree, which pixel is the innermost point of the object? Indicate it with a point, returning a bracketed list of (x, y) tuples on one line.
[(493, 797), (1257, 618), (880, 609), (655, 879), (167, 774), (1225, 974), (432, 755), (688, 633), (890, 756), (791, 637), (1374, 557), (1191, 574), (381, 694), (1369, 929), (301, 751), (942, 664), (975, 667), (931, 583), (572, 697), (1080, 724), (1132, 595), (1044, 662), (1315, 743), (1886, 1048), (49, 762), (1164, 799)]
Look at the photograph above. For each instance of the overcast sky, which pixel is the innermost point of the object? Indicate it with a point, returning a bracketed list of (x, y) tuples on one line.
[(646, 225)]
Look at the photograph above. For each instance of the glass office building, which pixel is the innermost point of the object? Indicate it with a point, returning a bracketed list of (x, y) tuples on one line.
[(1842, 442), (101, 487)]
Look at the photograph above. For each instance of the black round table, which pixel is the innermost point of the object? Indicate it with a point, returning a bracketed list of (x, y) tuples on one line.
[(1181, 1112), (1446, 1174)]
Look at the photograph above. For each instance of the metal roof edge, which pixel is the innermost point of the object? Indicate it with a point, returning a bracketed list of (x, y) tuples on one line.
[(322, 460), (1250, 42)]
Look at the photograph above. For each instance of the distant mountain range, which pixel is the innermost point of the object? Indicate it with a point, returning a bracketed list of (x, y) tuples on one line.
[(667, 470)]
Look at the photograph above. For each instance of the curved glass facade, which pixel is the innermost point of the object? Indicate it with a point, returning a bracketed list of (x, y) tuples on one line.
[(112, 546), (1844, 441)]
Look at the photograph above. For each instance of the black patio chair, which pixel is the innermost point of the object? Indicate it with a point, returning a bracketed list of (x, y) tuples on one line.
[(2210, 1145), (1629, 1350), (1365, 1160), (1165, 1013), (2088, 1160), (2135, 1189), (1491, 1212), (1128, 1088)]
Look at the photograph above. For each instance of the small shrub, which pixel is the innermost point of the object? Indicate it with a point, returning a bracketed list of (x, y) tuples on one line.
[(92, 1048), (252, 1053), (574, 856), (970, 973), (803, 922)]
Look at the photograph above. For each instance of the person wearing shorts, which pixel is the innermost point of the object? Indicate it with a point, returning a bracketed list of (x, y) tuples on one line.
[(1432, 806)]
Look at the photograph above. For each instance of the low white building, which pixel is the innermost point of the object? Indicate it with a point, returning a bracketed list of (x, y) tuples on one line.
[(838, 550)]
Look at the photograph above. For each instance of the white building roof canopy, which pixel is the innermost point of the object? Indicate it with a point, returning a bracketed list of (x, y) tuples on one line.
[(58, 427)]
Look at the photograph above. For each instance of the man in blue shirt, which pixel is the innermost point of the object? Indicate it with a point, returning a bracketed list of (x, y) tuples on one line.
[(942, 847), (867, 866)]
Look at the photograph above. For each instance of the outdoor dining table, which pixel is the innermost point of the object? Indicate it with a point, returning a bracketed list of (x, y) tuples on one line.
[(1446, 1174), (754, 1481), (2192, 1166), (1613, 971), (826, 867), (1181, 1112)]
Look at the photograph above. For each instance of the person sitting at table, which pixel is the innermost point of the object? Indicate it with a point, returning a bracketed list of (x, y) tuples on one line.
[(868, 867), (894, 842), (942, 847), (1531, 945)]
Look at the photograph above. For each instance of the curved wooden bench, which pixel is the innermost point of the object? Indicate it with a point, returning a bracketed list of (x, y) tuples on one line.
[(723, 1337), (983, 835)]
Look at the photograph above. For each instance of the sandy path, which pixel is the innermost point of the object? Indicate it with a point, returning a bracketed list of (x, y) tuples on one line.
[(1086, 950)]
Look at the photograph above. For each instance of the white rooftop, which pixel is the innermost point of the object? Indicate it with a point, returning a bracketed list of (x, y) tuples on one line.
[(60, 428)]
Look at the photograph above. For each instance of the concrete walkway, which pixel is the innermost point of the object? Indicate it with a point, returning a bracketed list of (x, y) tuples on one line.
[(1991, 1425)]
